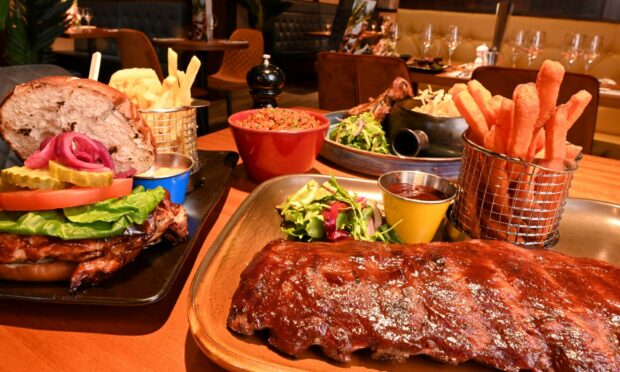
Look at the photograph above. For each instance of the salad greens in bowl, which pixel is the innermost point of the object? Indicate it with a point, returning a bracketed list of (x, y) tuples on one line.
[(362, 132)]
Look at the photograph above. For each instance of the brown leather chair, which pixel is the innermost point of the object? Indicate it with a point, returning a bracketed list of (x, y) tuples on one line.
[(346, 80), (135, 50), (503, 80), (236, 63)]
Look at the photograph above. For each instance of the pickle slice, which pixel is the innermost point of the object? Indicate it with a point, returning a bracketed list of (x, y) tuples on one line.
[(30, 178), (80, 178), (7, 186)]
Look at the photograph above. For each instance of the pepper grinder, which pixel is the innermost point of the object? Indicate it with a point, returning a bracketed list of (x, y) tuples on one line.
[(265, 82)]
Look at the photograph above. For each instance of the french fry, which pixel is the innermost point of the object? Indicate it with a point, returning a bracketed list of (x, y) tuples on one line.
[(172, 62), (548, 83), (493, 140), (572, 152), (526, 109), (504, 120), (456, 89), (495, 105), (482, 97), (473, 116), (561, 121), (179, 98), (186, 84), (170, 84), (538, 143)]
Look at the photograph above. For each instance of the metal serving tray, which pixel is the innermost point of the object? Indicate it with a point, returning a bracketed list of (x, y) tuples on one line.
[(588, 228), (373, 164)]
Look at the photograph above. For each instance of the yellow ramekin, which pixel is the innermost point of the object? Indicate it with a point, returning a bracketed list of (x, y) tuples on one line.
[(415, 221)]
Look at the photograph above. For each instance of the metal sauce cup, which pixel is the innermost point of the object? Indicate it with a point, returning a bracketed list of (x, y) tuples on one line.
[(414, 220), (176, 184)]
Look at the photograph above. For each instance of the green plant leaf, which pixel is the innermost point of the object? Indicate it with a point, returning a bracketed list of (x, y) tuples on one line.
[(4, 13), (33, 25)]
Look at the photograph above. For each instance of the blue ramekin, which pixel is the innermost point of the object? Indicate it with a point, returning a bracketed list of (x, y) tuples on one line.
[(176, 184)]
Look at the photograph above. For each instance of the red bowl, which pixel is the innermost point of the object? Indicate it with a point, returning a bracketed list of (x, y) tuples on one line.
[(270, 153)]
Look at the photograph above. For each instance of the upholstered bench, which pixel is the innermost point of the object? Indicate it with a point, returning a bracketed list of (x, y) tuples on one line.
[(291, 48)]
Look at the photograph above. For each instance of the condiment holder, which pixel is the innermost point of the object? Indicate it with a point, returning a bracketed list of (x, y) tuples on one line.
[(416, 218), (175, 178)]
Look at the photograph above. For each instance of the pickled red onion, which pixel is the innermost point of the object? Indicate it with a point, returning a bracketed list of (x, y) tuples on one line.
[(41, 157), (75, 150)]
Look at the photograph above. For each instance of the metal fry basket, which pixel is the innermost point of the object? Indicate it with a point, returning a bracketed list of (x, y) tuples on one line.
[(507, 199), (174, 130)]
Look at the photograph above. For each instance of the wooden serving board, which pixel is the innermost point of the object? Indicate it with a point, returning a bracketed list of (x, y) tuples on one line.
[(586, 230)]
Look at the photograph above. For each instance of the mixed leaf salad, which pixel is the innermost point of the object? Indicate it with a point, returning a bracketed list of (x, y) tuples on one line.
[(329, 212), (362, 132)]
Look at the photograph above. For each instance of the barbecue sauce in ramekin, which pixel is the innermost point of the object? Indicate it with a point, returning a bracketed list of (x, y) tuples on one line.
[(416, 192)]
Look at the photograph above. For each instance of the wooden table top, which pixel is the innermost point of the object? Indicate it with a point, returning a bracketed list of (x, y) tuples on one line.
[(44, 337), (318, 33), (181, 44), (92, 32)]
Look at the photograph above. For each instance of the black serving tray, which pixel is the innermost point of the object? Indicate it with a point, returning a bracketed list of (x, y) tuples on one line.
[(150, 276)]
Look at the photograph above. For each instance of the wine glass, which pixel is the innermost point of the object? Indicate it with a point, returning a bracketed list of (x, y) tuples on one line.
[(211, 25), (213, 22), (86, 14), (453, 39), (328, 25), (592, 51), (572, 47), (534, 45), (426, 38), (517, 44)]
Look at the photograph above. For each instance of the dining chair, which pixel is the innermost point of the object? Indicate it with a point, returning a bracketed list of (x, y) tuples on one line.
[(346, 80), (503, 80), (135, 50), (236, 63)]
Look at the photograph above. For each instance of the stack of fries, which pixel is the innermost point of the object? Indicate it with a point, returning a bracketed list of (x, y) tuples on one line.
[(517, 197), (144, 89), (165, 106)]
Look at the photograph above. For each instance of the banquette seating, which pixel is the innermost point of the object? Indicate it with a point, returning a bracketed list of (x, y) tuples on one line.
[(290, 47)]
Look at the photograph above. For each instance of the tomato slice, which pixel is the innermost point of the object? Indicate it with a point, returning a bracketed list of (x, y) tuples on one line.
[(40, 200)]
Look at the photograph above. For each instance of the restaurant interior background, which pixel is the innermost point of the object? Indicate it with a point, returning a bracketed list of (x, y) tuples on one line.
[(288, 24)]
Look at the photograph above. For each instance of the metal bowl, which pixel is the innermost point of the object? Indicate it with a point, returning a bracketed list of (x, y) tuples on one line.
[(374, 164), (444, 134)]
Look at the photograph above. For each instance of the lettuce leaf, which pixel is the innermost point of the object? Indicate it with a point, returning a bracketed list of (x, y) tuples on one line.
[(100, 220), (303, 217)]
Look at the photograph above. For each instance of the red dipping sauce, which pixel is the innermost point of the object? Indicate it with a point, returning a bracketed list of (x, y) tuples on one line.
[(418, 192)]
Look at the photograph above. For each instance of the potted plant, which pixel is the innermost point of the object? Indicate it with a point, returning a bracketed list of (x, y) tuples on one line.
[(31, 28)]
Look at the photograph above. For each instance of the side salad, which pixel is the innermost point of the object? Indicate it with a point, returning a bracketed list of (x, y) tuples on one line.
[(362, 132), (329, 212)]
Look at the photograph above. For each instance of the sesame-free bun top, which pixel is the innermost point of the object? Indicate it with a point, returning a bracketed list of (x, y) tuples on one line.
[(51, 105)]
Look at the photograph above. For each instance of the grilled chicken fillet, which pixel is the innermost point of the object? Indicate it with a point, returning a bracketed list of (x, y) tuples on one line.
[(92, 260)]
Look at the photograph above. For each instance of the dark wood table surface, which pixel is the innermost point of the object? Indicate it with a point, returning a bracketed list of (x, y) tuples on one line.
[(187, 45), (90, 33), (325, 34)]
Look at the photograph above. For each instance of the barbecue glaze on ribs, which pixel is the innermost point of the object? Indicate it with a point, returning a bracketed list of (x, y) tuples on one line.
[(97, 259), (487, 301)]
